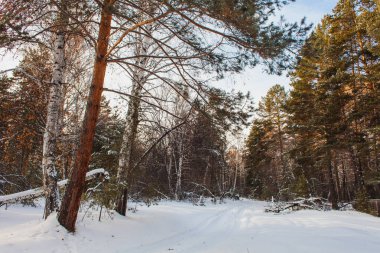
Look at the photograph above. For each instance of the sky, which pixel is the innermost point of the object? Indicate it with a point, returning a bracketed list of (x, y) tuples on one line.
[(256, 81)]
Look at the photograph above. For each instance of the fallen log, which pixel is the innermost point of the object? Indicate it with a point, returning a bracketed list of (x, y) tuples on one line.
[(38, 192)]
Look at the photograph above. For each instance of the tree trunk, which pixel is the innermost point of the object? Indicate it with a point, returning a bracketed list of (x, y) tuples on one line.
[(52, 130), (132, 121), (332, 191), (376, 152), (235, 176), (127, 147), (206, 171), (169, 168), (337, 180), (358, 169), (71, 200), (346, 193), (178, 185)]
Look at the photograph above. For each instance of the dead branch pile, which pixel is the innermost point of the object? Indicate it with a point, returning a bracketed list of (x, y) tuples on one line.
[(312, 203)]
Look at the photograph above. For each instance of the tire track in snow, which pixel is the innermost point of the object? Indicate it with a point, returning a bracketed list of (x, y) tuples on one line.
[(188, 237)]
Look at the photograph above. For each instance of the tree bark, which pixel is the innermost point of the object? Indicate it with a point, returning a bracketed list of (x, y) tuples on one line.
[(178, 185), (337, 180), (71, 200), (130, 130), (169, 167), (52, 131), (332, 189), (179, 167), (236, 172)]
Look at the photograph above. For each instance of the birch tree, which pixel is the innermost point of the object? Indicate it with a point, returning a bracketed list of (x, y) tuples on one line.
[(52, 129), (139, 79)]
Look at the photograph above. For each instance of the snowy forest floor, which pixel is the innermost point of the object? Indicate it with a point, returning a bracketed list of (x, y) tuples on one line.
[(233, 227)]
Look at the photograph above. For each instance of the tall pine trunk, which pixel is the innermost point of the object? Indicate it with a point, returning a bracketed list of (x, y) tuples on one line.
[(52, 129), (71, 200)]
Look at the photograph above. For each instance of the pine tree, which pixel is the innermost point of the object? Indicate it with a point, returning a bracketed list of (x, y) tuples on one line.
[(23, 108), (268, 144), (332, 102), (260, 181)]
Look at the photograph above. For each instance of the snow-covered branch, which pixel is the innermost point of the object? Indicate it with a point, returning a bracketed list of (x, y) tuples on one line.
[(38, 192)]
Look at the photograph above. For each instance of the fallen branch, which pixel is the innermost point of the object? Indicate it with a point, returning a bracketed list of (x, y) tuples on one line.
[(298, 204), (38, 192)]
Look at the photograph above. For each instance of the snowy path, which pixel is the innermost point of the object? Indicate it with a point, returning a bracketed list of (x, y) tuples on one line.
[(238, 226)]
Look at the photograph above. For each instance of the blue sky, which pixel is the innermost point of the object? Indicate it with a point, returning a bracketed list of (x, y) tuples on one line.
[(257, 82)]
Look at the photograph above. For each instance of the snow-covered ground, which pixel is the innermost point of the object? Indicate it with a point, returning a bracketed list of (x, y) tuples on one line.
[(237, 226)]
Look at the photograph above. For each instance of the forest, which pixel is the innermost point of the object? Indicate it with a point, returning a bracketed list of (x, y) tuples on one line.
[(321, 138), (113, 102)]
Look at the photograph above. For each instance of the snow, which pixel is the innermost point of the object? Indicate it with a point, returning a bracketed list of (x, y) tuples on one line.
[(33, 193), (236, 226)]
